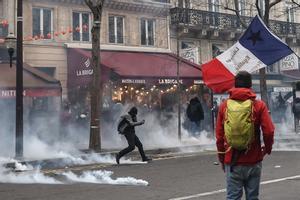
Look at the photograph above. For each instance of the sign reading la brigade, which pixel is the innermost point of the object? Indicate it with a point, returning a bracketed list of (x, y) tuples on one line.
[(87, 71)]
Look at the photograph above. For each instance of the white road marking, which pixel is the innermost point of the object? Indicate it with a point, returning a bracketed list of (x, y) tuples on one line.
[(224, 190)]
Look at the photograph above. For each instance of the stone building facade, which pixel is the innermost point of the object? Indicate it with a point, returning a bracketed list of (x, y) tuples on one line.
[(212, 26), (53, 26)]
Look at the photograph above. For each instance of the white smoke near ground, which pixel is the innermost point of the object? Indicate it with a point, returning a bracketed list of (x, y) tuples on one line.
[(26, 174), (103, 177)]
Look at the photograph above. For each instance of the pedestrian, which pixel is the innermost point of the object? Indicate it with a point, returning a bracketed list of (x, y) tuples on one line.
[(195, 114), (243, 167), (296, 111), (129, 133)]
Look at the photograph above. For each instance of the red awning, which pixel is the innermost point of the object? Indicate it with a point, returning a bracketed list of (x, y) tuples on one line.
[(131, 65), (35, 82)]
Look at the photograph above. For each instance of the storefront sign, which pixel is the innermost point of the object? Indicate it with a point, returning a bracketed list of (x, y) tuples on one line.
[(169, 81), (198, 82), (86, 71), (9, 93), (289, 62), (283, 89), (136, 81), (31, 93)]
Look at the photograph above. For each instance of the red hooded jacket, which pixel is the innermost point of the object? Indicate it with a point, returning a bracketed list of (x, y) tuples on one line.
[(262, 120)]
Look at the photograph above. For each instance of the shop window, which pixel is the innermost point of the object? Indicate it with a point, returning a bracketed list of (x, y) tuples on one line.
[(81, 26), (40, 104), (116, 29), (42, 23), (147, 32), (213, 5)]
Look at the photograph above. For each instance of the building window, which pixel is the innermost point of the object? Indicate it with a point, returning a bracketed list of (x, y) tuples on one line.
[(242, 7), (147, 32), (42, 23), (217, 49), (116, 29), (213, 5), (262, 6), (290, 11), (187, 45), (81, 26), (184, 4)]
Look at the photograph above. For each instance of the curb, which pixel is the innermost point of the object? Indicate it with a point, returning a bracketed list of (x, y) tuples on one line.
[(63, 162)]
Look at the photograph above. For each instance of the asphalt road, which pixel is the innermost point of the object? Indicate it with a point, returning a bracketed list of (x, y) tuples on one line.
[(188, 176)]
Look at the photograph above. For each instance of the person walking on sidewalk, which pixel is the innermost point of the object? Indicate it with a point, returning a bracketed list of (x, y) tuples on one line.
[(129, 133), (243, 167)]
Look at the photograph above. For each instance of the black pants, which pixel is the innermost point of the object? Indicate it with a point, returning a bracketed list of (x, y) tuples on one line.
[(133, 141)]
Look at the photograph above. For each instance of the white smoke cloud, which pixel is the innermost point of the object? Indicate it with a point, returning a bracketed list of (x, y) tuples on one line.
[(26, 174), (103, 177)]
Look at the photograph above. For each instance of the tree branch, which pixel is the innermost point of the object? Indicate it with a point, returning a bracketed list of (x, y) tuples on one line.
[(294, 2), (237, 12), (258, 9), (274, 3)]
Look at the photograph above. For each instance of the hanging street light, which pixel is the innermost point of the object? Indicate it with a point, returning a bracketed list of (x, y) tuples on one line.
[(11, 43)]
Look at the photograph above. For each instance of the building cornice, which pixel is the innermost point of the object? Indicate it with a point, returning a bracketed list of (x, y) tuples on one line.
[(145, 6)]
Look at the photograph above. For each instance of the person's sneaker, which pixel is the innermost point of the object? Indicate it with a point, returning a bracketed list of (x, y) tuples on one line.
[(117, 158), (147, 159)]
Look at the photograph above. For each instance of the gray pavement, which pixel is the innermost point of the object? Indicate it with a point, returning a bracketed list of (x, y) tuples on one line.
[(177, 176)]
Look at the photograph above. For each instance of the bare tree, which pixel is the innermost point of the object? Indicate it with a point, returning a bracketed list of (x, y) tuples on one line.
[(296, 3), (96, 7)]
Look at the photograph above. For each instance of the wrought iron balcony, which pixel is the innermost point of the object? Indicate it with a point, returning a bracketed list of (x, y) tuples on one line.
[(226, 22)]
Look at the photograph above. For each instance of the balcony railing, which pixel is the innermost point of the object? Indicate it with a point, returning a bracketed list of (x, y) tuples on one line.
[(226, 22)]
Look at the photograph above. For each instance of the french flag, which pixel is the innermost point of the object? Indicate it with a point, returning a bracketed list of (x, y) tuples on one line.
[(257, 48)]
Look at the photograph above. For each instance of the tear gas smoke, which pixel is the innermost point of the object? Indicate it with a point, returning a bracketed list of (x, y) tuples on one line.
[(103, 177), (45, 138), (26, 174)]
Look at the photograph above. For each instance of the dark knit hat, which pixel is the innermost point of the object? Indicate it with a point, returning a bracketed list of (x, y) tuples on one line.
[(133, 111), (243, 79)]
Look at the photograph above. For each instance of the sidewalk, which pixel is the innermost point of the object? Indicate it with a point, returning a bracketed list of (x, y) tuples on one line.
[(64, 162)]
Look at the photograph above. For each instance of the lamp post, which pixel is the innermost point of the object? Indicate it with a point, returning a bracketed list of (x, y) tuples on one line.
[(10, 42), (19, 81)]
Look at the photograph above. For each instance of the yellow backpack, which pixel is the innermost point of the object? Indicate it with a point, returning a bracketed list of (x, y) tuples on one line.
[(239, 124)]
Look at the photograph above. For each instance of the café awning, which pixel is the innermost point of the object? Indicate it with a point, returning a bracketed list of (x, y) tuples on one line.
[(35, 82), (130, 67)]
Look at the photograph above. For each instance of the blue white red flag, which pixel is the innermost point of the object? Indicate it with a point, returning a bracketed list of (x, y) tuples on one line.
[(257, 48)]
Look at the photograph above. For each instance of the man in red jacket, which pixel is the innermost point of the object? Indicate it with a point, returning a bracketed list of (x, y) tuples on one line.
[(245, 172)]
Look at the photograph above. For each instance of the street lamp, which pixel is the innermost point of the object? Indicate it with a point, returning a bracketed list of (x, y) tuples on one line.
[(11, 42)]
